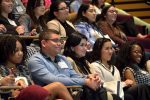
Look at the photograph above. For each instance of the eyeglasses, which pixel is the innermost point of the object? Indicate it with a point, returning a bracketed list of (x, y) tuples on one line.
[(113, 11), (63, 8), (57, 40)]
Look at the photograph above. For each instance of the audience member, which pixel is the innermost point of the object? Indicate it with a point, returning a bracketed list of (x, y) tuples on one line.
[(132, 63), (12, 26), (33, 19), (57, 18), (13, 72), (75, 50), (85, 24), (107, 23)]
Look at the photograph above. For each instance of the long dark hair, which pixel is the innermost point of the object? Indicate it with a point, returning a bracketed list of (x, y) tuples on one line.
[(124, 56), (73, 40), (8, 47), (31, 5)]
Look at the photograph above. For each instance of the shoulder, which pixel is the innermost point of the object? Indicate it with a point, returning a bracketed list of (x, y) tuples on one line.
[(54, 21), (70, 59), (128, 70)]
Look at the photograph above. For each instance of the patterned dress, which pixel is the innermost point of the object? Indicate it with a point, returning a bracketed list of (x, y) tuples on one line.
[(141, 76)]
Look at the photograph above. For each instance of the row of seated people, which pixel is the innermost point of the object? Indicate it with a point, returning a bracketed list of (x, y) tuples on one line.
[(49, 66), (33, 22)]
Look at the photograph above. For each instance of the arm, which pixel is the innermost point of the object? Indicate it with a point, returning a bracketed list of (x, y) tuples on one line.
[(129, 75)]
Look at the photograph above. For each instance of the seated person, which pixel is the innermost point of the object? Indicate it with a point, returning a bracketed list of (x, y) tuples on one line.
[(85, 24), (33, 19), (12, 26), (132, 63), (57, 18), (13, 71), (75, 50), (108, 25), (50, 66)]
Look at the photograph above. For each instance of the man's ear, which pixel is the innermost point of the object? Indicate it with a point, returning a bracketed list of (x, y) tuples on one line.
[(43, 43)]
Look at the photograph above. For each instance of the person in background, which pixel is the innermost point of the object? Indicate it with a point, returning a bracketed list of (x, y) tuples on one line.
[(85, 24), (57, 18), (12, 26), (132, 63), (13, 71), (108, 25), (33, 19)]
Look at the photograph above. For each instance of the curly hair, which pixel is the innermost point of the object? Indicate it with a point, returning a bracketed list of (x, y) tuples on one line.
[(8, 47), (124, 55)]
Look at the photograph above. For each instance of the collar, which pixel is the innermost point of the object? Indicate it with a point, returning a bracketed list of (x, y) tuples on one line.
[(57, 59)]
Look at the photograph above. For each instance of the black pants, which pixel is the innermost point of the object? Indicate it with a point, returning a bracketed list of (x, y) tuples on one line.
[(99, 94), (139, 92)]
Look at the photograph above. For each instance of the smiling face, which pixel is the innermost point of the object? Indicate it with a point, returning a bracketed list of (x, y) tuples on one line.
[(90, 14), (81, 48), (136, 54), (106, 52), (53, 45), (111, 14), (62, 12), (6, 6), (17, 56)]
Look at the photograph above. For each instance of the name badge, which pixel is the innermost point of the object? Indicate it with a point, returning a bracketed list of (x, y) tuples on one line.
[(143, 72), (62, 64)]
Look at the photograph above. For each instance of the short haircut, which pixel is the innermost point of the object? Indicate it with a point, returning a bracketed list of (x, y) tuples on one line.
[(47, 34)]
